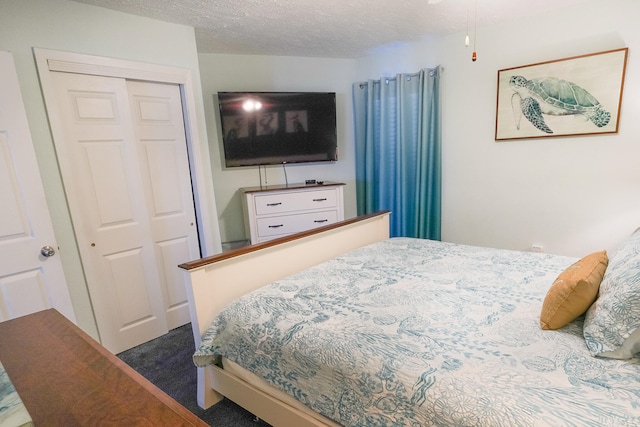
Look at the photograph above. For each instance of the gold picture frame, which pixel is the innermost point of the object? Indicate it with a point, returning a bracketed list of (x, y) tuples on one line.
[(580, 95)]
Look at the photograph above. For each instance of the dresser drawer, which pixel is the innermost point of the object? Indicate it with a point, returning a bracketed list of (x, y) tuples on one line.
[(282, 210), (295, 201), (280, 225)]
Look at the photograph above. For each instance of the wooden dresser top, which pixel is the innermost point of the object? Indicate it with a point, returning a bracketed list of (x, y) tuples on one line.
[(66, 378), (297, 186)]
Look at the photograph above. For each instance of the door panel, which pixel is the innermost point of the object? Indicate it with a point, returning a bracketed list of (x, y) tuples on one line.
[(126, 268), (29, 281), (105, 165), (173, 253), (24, 292)]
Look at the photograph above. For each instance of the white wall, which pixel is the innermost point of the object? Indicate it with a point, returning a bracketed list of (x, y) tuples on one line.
[(69, 26), (573, 195), (269, 73)]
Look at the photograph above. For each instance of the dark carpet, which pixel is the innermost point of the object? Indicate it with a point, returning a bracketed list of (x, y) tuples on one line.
[(166, 362)]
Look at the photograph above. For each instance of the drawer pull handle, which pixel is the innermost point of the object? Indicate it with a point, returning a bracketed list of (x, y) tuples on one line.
[(319, 200), (276, 226), (274, 204), (320, 220)]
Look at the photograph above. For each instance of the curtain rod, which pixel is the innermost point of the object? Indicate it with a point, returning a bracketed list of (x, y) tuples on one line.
[(408, 76)]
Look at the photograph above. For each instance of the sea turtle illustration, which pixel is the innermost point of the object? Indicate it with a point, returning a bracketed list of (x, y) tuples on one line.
[(555, 97)]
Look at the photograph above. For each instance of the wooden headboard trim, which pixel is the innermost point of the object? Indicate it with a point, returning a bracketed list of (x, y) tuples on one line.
[(258, 246)]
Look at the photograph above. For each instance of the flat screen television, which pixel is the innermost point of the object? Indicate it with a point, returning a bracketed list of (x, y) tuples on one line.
[(268, 128)]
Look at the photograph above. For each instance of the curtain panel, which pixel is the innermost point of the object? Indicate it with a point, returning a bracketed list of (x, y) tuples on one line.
[(398, 151)]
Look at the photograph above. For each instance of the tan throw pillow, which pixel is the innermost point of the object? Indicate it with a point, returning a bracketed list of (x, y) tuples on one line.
[(574, 291)]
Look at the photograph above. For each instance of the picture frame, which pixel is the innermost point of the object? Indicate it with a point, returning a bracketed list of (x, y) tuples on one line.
[(296, 121), (267, 123), (237, 127), (580, 95)]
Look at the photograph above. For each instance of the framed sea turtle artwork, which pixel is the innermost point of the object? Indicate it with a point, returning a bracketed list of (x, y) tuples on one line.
[(581, 95)]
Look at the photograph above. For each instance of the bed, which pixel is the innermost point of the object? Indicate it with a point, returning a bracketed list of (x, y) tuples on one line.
[(344, 326)]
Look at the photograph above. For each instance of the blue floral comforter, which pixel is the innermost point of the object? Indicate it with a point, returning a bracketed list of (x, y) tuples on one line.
[(411, 332)]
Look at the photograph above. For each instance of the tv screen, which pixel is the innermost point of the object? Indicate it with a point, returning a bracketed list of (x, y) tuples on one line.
[(267, 128)]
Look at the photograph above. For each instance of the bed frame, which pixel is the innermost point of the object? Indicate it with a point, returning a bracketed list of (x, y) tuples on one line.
[(213, 282)]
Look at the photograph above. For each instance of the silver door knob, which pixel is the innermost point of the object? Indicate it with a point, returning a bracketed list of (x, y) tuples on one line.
[(47, 251)]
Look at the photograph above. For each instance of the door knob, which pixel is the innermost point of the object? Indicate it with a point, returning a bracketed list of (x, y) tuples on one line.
[(47, 251)]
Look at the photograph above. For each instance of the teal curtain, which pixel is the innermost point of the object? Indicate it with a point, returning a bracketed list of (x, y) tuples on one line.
[(398, 151)]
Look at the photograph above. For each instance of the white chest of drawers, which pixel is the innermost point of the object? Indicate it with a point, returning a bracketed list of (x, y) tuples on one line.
[(276, 211)]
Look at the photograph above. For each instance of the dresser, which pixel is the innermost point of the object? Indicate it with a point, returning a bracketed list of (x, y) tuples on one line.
[(65, 378), (279, 210)]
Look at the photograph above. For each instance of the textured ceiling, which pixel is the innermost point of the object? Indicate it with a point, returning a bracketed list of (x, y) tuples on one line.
[(324, 28)]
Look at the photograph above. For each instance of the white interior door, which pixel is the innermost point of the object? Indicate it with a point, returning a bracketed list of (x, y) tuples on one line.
[(156, 112), (129, 193), (29, 280)]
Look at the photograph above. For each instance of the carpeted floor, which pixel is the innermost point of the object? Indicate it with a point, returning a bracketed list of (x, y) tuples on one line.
[(166, 362)]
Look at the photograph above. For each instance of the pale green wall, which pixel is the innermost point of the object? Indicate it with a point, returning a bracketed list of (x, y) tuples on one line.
[(573, 195), (74, 27), (270, 73)]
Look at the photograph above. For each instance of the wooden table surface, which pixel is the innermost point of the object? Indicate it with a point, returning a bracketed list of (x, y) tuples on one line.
[(66, 378)]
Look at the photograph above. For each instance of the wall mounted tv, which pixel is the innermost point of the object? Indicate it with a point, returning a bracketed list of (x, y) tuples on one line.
[(268, 128)]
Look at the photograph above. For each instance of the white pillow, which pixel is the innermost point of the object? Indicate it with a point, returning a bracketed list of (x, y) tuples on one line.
[(611, 323)]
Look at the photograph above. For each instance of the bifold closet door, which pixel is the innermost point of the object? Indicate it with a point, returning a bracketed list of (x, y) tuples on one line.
[(125, 193)]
